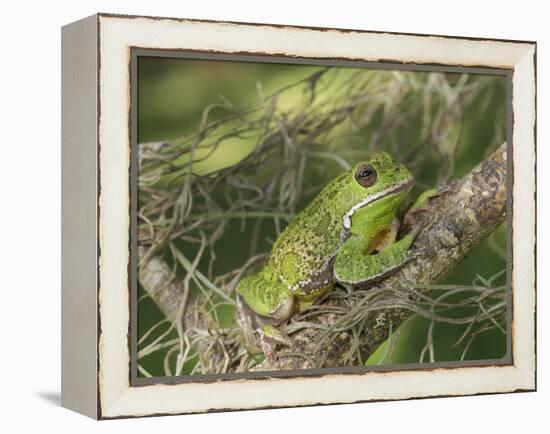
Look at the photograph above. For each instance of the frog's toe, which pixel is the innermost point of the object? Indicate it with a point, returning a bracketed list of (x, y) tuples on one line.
[(269, 337), (271, 332), (420, 203)]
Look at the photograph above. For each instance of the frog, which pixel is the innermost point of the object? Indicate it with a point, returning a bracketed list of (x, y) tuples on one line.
[(346, 235)]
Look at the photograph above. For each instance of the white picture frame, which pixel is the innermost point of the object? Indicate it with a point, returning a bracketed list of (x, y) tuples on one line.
[(96, 130)]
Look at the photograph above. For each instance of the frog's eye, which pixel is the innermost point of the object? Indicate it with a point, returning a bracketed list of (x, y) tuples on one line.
[(366, 175)]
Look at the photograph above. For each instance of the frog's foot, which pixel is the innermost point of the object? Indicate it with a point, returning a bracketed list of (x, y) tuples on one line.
[(354, 269), (270, 336), (248, 322), (413, 217), (423, 198)]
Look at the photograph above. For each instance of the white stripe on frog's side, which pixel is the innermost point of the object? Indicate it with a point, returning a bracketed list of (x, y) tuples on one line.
[(394, 189)]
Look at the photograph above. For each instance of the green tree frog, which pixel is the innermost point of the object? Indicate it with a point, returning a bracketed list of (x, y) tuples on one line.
[(346, 235)]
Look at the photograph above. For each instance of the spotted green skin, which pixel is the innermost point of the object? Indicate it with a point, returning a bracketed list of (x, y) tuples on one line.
[(321, 246)]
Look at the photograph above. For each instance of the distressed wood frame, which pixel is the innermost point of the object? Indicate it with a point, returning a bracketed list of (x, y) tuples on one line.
[(96, 308)]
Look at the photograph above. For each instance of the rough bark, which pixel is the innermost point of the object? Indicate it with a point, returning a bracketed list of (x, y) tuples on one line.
[(451, 223)]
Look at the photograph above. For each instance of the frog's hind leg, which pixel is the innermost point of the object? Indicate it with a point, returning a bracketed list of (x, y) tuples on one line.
[(263, 305), (353, 267), (268, 298)]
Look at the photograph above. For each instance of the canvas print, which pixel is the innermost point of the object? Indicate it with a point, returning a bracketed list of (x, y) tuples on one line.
[(302, 218)]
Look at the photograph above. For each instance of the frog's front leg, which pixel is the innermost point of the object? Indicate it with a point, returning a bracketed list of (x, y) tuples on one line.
[(354, 266)]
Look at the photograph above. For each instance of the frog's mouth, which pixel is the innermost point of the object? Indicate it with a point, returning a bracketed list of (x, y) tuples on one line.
[(405, 185)]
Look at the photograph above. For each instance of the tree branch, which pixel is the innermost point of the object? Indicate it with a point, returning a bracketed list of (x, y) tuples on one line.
[(453, 222)]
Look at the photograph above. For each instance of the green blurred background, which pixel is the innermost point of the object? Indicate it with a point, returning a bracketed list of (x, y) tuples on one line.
[(173, 93)]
